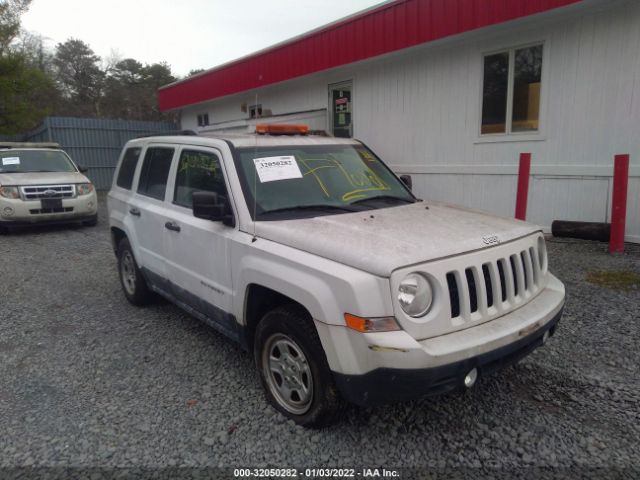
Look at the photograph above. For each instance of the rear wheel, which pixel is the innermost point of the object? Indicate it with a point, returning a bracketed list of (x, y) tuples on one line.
[(133, 283), (293, 368)]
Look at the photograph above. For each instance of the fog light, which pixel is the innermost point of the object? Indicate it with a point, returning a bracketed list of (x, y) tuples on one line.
[(7, 211), (545, 337), (471, 378)]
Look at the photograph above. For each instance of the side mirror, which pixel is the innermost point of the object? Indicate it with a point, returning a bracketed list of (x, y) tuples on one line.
[(82, 169), (406, 179), (211, 206)]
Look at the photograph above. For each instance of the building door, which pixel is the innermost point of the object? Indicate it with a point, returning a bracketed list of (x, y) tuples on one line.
[(341, 109)]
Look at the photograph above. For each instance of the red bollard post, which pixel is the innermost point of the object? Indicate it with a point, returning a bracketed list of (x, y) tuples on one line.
[(523, 186), (619, 203)]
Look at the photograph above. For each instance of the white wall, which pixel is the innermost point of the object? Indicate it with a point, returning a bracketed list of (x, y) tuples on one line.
[(305, 97), (428, 100)]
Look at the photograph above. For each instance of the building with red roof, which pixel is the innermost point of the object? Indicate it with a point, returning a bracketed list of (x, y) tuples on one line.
[(451, 92)]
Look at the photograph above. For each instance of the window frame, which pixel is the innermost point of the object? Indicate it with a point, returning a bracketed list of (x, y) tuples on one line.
[(177, 166), (509, 134), (141, 171), (255, 111), (202, 119)]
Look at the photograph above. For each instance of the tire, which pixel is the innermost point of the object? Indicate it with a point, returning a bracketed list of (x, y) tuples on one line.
[(287, 333), (92, 222), (133, 283)]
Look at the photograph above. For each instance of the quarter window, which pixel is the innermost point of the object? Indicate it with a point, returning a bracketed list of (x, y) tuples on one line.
[(511, 91), (128, 168), (155, 171), (198, 171)]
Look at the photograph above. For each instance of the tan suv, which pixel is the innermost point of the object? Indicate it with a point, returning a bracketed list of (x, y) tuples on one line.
[(39, 183)]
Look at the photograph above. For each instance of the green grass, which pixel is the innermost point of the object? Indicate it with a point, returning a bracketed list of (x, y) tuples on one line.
[(623, 280)]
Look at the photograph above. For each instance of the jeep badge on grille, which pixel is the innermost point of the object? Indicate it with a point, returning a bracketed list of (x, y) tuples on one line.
[(490, 239)]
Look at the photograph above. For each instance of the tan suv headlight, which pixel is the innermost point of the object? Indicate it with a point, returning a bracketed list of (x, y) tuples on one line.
[(9, 192), (415, 295), (84, 188)]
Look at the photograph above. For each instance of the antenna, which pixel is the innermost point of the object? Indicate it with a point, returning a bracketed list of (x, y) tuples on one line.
[(255, 176)]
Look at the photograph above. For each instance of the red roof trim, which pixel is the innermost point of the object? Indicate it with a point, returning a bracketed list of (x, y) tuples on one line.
[(384, 29)]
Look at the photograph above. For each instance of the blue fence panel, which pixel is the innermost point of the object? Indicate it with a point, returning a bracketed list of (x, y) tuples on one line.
[(94, 142)]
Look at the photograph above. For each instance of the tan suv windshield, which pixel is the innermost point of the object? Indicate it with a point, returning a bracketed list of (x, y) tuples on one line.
[(27, 161)]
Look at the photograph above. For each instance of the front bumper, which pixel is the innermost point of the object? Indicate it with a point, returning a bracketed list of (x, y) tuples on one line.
[(380, 367), (18, 212), (386, 385)]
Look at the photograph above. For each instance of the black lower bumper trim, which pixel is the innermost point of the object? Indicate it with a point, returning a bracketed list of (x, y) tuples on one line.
[(386, 385), (46, 222)]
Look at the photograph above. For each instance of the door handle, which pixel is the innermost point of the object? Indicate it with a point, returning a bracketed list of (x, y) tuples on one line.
[(134, 211), (174, 227)]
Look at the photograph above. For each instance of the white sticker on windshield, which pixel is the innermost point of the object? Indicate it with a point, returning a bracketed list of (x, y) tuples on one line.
[(277, 168), (11, 161)]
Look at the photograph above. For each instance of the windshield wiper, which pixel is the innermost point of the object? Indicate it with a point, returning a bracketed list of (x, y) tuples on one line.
[(319, 207), (383, 197)]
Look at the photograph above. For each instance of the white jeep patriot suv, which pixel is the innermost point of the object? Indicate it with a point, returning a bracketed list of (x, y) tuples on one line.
[(316, 258), (39, 183)]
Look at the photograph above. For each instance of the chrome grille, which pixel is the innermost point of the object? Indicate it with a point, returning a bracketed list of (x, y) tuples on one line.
[(477, 292), (48, 191)]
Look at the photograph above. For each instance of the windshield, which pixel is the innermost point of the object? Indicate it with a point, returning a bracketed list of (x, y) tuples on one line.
[(24, 161), (309, 180)]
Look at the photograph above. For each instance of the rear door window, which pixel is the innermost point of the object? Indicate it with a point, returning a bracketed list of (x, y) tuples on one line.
[(155, 171), (128, 168)]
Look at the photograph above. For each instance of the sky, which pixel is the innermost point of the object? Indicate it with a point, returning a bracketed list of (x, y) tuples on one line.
[(187, 34)]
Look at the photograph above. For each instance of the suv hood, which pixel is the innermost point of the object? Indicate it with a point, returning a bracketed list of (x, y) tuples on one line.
[(381, 241), (41, 178)]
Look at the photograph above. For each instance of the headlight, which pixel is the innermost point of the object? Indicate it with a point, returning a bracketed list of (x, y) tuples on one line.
[(415, 295), (84, 188), (9, 192)]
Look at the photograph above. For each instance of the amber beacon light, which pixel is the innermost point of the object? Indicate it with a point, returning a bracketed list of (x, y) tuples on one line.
[(282, 129)]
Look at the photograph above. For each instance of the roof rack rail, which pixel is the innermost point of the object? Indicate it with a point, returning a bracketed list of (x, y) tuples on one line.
[(169, 133), (29, 145)]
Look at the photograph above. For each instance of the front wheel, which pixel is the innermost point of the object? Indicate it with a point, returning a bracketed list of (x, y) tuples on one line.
[(293, 368)]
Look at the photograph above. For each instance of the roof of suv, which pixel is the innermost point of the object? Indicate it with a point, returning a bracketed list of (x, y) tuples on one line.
[(254, 140)]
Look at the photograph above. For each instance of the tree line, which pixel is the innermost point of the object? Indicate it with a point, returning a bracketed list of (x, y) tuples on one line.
[(70, 80)]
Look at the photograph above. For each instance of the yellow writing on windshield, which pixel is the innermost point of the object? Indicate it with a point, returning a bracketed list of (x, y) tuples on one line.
[(365, 155), (312, 171), (362, 181)]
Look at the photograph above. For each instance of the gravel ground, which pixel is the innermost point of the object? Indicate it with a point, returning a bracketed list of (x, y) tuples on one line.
[(87, 380)]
